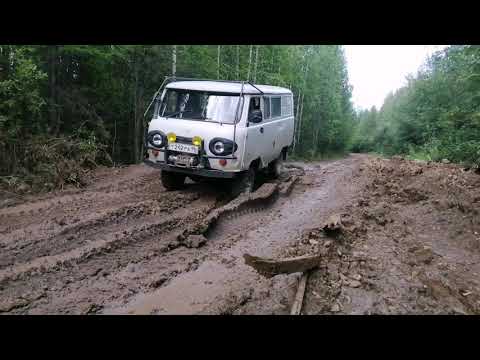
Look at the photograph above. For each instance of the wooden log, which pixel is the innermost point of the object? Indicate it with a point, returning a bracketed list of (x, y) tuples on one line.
[(271, 267), (298, 302)]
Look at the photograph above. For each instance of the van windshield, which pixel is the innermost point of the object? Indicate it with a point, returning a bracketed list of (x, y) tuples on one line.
[(199, 105)]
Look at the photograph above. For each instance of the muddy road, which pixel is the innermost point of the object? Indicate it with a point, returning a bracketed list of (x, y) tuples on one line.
[(124, 245)]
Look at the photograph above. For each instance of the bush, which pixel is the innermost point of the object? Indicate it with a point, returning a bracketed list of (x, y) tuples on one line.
[(47, 164)]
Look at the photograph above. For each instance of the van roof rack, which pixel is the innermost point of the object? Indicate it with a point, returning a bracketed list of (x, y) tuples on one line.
[(174, 78)]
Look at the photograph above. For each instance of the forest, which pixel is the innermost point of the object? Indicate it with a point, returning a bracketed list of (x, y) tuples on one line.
[(65, 108), (435, 117), (376, 211)]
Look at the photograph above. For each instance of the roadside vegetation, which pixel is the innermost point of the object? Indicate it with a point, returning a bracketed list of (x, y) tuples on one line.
[(435, 117), (67, 108)]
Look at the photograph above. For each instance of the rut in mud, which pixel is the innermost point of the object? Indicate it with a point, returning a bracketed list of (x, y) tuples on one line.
[(125, 245), (81, 250), (58, 254)]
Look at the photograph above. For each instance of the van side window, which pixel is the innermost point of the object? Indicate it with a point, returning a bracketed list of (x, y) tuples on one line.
[(276, 109), (266, 108), (254, 104)]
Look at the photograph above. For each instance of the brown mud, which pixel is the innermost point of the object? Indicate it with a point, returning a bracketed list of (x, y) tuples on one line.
[(410, 243)]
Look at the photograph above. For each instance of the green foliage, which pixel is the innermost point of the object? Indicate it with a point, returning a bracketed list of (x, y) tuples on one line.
[(326, 125), (49, 163), (90, 99), (436, 116), (20, 100)]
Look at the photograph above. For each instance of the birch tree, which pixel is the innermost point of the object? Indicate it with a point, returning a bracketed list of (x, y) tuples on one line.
[(238, 63), (174, 60), (218, 62), (256, 64), (249, 62)]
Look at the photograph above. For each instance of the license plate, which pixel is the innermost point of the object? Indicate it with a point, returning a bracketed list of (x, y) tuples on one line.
[(191, 149)]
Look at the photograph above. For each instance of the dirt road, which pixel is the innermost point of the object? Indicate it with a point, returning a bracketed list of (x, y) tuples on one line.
[(122, 245)]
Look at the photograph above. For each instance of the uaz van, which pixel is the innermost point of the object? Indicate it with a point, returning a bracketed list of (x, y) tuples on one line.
[(219, 129)]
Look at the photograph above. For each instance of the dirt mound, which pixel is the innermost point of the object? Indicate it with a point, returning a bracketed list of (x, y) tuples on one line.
[(410, 244)]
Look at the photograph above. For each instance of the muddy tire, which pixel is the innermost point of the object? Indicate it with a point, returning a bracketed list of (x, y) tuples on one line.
[(275, 168), (244, 183), (172, 181)]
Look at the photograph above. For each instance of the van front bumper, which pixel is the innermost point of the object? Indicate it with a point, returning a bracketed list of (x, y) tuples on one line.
[(191, 171)]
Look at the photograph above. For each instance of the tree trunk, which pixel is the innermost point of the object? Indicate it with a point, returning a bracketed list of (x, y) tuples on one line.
[(14, 162), (256, 64), (135, 110), (249, 63), (52, 84), (300, 119), (301, 98), (279, 63), (218, 62), (274, 51), (174, 60), (4, 63), (238, 63), (140, 125), (297, 125), (114, 140)]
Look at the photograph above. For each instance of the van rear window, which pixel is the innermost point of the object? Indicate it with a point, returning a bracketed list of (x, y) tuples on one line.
[(287, 106), (276, 107)]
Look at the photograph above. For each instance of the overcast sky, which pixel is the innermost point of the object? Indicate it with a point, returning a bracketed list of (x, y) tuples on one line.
[(376, 70)]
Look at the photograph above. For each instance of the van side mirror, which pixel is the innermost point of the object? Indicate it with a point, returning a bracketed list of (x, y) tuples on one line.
[(255, 116)]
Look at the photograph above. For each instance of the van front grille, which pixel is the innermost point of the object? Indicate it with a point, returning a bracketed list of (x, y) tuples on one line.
[(184, 140)]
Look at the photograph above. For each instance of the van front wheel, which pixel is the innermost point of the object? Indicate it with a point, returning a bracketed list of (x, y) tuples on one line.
[(172, 181), (244, 183)]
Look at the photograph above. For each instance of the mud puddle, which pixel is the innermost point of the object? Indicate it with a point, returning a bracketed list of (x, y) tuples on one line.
[(223, 283)]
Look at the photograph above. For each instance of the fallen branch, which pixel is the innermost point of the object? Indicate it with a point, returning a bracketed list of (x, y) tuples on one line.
[(271, 267), (298, 302)]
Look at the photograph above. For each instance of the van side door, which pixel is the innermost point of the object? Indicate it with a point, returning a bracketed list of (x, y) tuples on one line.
[(255, 138), (275, 127)]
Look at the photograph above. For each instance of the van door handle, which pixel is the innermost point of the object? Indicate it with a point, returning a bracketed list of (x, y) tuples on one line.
[(261, 130)]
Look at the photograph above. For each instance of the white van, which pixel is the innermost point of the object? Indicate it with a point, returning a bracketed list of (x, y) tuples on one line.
[(219, 129)]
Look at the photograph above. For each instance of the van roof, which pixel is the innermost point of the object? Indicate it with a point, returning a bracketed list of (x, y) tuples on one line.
[(226, 87)]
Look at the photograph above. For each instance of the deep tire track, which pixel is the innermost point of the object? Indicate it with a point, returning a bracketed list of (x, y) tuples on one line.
[(98, 247)]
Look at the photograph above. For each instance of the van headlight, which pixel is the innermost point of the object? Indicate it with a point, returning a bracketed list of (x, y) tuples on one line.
[(222, 147), (218, 147), (156, 139)]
